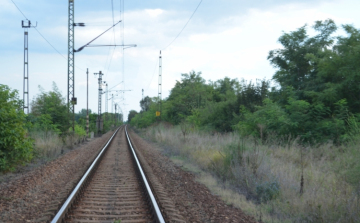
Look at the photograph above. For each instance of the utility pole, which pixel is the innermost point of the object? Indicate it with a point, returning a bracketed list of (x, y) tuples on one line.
[(106, 104), (71, 62), (142, 101), (112, 103), (26, 66), (158, 113), (115, 116), (106, 98), (87, 102), (99, 122)]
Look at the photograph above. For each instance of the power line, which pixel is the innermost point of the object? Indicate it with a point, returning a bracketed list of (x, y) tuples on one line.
[(108, 67), (43, 35), (19, 9), (49, 43), (153, 75), (185, 25)]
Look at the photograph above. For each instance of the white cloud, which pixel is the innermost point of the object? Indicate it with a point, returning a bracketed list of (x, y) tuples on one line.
[(154, 12), (234, 45)]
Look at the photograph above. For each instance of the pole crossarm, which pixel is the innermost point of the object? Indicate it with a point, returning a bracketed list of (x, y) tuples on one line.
[(81, 48), (115, 91), (128, 45)]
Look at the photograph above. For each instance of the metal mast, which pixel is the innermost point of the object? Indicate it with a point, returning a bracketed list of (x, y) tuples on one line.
[(106, 99), (106, 102), (71, 62), (26, 67), (160, 85), (87, 102), (99, 120)]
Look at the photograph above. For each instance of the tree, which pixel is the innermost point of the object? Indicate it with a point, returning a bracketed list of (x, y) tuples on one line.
[(15, 147), (53, 104), (131, 115), (145, 104), (188, 94), (294, 63)]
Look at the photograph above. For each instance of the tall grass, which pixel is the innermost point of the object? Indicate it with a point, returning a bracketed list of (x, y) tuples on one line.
[(269, 174), (49, 145)]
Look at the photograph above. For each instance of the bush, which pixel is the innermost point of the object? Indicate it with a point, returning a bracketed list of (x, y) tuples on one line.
[(79, 131), (15, 147), (268, 191)]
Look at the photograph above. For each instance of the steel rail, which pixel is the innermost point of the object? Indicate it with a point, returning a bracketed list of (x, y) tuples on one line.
[(155, 206), (70, 200)]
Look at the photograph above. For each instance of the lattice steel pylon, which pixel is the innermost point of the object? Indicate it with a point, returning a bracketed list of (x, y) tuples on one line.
[(99, 123), (160, 84), (71, 64), (26, 66)]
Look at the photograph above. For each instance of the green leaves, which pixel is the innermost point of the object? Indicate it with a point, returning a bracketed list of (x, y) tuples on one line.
[(53, 105), (15, 146)]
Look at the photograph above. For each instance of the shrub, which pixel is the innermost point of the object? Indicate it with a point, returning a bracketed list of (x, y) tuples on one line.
[(15, 147), (268, 191)]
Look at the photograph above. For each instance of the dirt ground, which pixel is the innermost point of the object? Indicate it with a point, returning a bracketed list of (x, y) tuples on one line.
[(35, 194)]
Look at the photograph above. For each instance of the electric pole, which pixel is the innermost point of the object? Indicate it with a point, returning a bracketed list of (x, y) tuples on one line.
[(112, 103), (26, 66), (99, 122), (115, 117), (106, 98), (106, 102), (87, 102), (71, 62), (160, 86)]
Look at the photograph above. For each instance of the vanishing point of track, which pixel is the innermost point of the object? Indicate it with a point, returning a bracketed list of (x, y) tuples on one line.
[(114, 188)]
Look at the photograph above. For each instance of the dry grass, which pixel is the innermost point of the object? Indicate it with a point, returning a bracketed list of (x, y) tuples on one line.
[(49, 145), (270, 174)]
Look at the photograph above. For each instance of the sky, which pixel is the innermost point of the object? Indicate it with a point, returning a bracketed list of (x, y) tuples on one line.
[(224, 38)]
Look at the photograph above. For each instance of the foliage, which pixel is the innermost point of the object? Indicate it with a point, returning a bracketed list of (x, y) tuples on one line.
[(268, 191), (316, 95), (15, 147), (145, 104), (53, 104), (79, 131), (131, 115)]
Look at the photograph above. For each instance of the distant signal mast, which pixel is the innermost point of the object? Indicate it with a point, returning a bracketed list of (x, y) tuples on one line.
[(158, 113), (26, 25)]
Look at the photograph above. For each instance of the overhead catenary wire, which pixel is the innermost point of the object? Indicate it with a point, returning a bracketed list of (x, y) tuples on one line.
[(197, 7), (43, 35), (113, 52), (153, 75), (112, 55), (19, 10), (184, 25)]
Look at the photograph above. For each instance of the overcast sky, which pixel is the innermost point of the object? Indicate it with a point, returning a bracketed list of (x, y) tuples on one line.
[(224, 38)]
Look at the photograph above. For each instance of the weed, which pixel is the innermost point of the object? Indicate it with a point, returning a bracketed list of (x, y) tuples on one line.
[(272, 173)]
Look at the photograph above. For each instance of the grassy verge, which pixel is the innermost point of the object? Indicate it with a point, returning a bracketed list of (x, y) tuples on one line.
[(275, 181), (49, 145)]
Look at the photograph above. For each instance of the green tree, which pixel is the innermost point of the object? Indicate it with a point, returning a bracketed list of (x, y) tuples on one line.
[(145, 103), (188, 94), (295, 67), (52, 103), (131, 115), (15, 147)]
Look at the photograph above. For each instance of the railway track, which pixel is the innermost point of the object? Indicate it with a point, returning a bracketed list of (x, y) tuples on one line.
[(114, 188)]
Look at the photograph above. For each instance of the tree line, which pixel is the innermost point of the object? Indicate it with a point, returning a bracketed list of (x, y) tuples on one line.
[(314, 93), (48, 115)]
